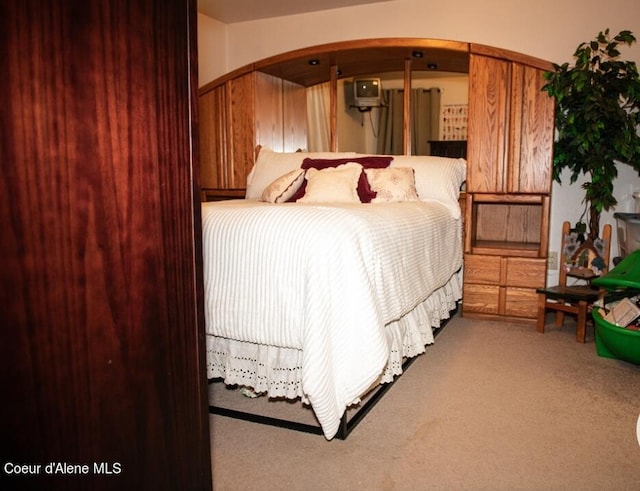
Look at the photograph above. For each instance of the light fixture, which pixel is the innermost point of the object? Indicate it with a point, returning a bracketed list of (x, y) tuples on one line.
[(417, 54), (432, 66), (314, 61)]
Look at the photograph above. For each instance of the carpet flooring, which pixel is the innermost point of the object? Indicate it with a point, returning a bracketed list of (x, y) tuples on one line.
[(489, 406)]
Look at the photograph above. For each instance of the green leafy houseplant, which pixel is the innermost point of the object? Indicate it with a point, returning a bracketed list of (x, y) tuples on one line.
[(597, 120)]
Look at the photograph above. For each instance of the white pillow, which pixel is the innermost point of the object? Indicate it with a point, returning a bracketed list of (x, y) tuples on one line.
[(438, 178), (270, 165), (283, 188), (392, 184), (333, 185)]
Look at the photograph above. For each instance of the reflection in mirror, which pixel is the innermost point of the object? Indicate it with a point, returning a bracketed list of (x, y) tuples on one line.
[(439, 99), (448, 134), (318, 118)]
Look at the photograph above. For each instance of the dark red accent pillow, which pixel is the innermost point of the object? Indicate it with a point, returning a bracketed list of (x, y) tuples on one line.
[(365, 193), (368, 162), (300, 192)]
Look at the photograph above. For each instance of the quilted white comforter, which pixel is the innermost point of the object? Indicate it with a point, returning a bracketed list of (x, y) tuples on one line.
[(324, 279)]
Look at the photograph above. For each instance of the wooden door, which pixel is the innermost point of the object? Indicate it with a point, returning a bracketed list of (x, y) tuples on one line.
[(531, 132), (510, 128), (488, 124), (102, 326)]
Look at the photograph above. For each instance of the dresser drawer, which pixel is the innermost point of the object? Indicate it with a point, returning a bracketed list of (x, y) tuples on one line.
[(480, 298), (525, 272), (482, 269), (521, 302)]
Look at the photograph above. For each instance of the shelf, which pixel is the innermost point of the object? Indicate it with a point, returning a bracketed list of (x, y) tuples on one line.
[(505, 248), (512, 225)]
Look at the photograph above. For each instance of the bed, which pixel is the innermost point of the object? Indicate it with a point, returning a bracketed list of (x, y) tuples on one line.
[(334, 270)]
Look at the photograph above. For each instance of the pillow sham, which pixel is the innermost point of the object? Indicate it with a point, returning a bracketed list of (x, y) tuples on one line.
[(270, 165), (333, 184), (392, 185), (438, 178), (368, 162), (284, 187)]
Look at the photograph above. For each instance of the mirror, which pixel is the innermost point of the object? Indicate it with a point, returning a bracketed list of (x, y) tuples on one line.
[(438, 115)]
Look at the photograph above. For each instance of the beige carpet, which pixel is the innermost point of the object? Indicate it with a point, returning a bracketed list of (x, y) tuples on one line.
[(490, 406)]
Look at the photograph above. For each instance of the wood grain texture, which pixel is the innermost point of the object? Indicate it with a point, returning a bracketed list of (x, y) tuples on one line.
[(269, 124), (488, 124), (295, 116), (534, 141), (102, 320), (241, 129), (213, 137)]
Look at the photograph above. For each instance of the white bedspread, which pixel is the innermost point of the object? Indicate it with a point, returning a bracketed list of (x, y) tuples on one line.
[(324, 279)]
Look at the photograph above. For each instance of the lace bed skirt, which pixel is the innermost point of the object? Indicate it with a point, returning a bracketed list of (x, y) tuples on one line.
[(276, 371)]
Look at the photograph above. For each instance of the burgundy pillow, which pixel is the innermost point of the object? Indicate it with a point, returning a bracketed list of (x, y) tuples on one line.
[(300, 192), (369, 162), (365, 193)]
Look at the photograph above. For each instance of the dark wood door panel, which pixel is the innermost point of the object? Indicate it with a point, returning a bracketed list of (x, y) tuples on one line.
[(101, 315)]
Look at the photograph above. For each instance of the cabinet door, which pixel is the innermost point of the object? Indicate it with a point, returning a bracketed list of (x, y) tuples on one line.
[(510, 128), (488, 124), (531, 132)]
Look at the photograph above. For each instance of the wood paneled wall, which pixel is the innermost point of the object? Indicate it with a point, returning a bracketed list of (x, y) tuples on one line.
[(102, 329)]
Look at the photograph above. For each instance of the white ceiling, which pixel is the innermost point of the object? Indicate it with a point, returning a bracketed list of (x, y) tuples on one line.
[(230, 11)]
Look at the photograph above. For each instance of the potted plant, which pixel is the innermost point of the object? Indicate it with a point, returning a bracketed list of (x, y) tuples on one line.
[(597, 120)]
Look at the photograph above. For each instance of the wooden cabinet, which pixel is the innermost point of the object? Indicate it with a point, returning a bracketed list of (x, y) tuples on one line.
[(510, 128), (502, 285), (241, 113), (508, 187)]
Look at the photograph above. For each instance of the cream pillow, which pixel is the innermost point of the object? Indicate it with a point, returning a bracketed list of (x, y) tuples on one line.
[(438, 178), (333, 185), (270, 165), (392, 184), (284, 187)]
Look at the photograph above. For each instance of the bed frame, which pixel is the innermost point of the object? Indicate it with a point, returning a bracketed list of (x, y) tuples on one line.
[(347, 424)]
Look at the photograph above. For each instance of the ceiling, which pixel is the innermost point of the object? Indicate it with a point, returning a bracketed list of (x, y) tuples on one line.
[(230, 11)]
